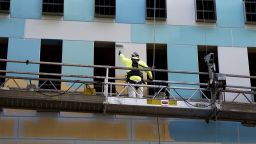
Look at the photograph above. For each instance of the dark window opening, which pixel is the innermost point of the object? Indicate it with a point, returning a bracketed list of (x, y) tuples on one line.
[(160, 63), (250, 11), (252, 66), (4, 6), (202, 52), (105, 8), (51, 51), (53, 7), (156, 9), (3, 55), (104, 54), (205, 11)]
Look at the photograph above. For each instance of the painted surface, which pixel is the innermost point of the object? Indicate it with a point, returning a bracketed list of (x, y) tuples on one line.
[(77, 128), (79, 10), (77, 52), (23, 49), (140, 33), (70, 30), (183, 57), (131, 11), (234, 60), (244, 37), (12, 27), (181, 12), (144, 33), (7, 127), (215, 132), (74, 128), (30, 9), (230, 13)]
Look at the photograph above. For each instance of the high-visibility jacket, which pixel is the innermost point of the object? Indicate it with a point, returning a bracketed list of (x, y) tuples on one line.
[(141, 64)]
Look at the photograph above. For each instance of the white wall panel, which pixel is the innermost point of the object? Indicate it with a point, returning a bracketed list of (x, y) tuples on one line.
[(180, 12), (68, 30), (234, 61)]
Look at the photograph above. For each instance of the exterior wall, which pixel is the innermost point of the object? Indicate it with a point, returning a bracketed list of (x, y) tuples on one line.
[(234, 61), (82, 51), (79, 10), (23, 126), (78, 29)]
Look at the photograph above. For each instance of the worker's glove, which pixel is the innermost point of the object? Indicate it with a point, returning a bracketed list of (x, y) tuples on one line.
[(119, 52)]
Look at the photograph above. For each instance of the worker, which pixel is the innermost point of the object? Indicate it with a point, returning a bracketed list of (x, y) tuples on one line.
[(135, 76)]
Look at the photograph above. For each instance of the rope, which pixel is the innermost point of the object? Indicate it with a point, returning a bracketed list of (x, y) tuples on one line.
[(153, 65)]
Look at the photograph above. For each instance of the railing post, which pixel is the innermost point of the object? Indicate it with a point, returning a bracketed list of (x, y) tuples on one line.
[(106, 83)]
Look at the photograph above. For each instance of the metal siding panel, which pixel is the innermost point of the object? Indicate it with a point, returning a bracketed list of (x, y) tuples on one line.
[(70, 30), (26, 9), (23, 49), (12, 28), (77, 52), (230, 13), (234, 60), (180, 12), (132, 11), (79, 10), (183, 57)]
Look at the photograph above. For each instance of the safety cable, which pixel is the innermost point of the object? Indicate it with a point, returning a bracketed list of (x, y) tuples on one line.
[(153, 63)]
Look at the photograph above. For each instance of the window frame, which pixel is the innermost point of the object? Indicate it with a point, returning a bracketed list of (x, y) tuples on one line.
[(54, 12), (204, 11), (156, 9), (246, 12), (5, 10), (112, 5)]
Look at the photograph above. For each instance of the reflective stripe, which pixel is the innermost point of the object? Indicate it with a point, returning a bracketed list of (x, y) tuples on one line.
[(135, 78)]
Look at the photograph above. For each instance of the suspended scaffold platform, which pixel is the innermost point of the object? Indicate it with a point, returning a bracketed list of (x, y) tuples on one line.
[(214, 100)]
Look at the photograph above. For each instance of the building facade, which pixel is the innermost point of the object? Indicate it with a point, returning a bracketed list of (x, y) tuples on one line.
[(91, 32)]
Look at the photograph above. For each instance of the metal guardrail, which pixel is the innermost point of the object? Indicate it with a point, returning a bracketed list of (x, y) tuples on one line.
[(167, 86), (166, 90)]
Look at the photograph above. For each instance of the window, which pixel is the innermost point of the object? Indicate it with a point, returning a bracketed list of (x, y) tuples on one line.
[(157, 9), (101, 49), (51, 51), (53, 7), (105, 8), (252, 66), (250, 11), (159, 55), (202, 52), (4, 6), (3, 55), (205, 11)]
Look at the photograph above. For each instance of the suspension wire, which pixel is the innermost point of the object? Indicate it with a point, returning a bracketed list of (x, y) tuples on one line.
[(205, 45), (153, 64), (154, 35)]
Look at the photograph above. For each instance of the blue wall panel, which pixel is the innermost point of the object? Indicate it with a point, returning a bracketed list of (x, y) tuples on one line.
[(200, 131), (12, 28), (218, 36), (79, 10), (78, 52), (31, 9), (194, 35), (130, 11), (23, 49), (230, 13), (244, 37), (144, 33), (185, 58)]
